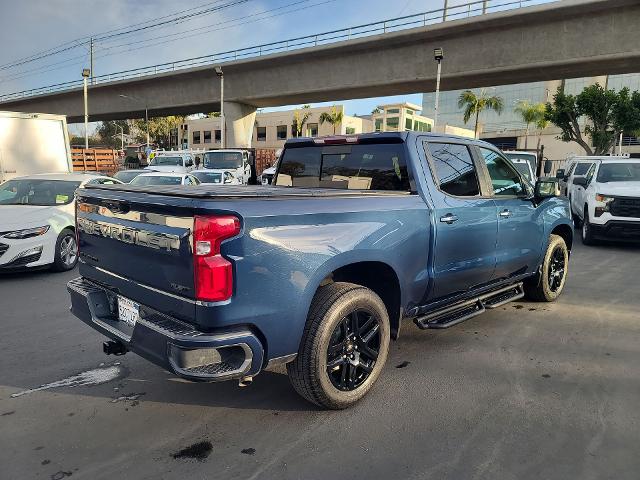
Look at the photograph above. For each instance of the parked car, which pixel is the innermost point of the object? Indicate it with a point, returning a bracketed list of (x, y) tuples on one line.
[(125, 176), (605, 201), (179, 162), (519, 158), (574, 167), (221, 177), (37, 225), (317, 271), (236, 161), (165, 178)]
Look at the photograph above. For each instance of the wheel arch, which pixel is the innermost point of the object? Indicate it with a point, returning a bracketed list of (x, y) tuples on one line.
[(566, 232)]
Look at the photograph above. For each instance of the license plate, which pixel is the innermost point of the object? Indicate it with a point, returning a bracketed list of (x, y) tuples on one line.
[(128, 311)]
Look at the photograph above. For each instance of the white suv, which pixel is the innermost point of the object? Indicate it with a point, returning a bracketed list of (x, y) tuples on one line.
[(606, 199)]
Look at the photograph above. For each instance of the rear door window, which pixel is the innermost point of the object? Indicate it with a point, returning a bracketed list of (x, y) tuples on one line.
[(454, 170), (352, 167)]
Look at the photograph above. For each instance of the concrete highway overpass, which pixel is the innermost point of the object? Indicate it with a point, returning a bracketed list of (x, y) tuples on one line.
[(565, 39)]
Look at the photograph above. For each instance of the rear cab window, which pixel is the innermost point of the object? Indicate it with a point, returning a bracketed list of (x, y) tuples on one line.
[(371, 166)]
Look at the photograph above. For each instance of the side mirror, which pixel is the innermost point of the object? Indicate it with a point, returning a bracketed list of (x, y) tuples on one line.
[(548, 165), (189, 163), (546, 188), (560, 174), (582, 181)]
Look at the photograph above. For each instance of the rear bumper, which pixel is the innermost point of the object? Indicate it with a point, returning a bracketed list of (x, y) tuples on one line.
[(618, 230), (167, 342)]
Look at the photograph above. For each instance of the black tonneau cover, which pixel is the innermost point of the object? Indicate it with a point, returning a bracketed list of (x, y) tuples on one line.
[(240, 192)]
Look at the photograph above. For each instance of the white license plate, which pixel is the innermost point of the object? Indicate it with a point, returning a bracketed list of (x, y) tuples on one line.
[(128, 311)]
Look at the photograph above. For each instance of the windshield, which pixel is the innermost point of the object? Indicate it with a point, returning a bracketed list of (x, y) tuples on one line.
[(523, 168), (37, 192), (222, 160), (164, 161), (156, 180), (127, 175), (208, 177), (619, 172)]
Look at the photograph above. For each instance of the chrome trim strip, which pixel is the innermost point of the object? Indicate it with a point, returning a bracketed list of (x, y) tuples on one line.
[(153, 289)]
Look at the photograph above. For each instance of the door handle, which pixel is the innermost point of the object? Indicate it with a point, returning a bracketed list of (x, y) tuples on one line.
[(449, 218), (505, 213)]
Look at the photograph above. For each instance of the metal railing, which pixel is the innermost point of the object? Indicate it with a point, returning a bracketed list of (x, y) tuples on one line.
[(432, 17)]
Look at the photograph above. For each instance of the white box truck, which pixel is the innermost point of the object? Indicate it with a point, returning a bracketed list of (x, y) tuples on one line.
[(33, 143)]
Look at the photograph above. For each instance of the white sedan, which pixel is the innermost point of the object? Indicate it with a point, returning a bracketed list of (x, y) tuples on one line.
[(37, 220), (165, 178)]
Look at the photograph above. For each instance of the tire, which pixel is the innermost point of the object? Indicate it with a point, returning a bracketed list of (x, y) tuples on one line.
[(330, 316), (547, 285), (586, 232), (66, 256)]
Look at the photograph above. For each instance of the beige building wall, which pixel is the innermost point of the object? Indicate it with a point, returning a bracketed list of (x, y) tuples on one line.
[(272, 129), (400, 117)]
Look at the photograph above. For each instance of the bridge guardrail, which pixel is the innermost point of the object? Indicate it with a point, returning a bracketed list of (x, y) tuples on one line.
[(432, 17)]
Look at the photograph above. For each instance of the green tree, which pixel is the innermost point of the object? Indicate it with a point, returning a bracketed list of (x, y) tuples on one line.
[(333, 117), (605, 113), (159, 129), (110, 132), (300, 118), (531, 113), (376, 111), (475, 104)]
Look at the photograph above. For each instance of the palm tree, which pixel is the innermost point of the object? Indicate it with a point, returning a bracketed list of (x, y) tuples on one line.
[(531, 113), (300, 118), (334, 117), (475, 104), (376, 110)]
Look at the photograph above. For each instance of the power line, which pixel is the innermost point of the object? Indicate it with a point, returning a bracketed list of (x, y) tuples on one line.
[(182, 16)]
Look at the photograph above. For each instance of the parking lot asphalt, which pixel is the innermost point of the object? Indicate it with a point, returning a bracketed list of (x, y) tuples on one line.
[(527, 391)]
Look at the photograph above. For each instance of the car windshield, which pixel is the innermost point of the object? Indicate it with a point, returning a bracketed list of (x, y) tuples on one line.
[(222, 160), (156, 180), (523, 168), (163, 160), (127, 175), (208, 177), (619, 172), (37, 192)]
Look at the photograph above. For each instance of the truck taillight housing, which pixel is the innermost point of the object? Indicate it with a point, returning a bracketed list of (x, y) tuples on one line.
[(213, 274)]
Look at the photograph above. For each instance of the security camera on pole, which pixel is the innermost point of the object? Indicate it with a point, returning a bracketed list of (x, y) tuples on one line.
[(86, 73), (220, 75), (438, 54)]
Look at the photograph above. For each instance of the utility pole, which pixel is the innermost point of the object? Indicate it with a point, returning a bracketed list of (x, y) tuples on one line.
[(91, 57), (85, 74)]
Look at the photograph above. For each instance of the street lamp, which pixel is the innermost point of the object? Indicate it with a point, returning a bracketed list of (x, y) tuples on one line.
[(85, 74), (146, 112), (220, 75), (438, 55)]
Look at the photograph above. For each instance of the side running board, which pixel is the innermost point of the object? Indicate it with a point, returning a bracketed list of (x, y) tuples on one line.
[(458, 313)]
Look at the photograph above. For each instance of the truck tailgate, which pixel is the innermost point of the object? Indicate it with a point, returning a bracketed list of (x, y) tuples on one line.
[(138, 243)]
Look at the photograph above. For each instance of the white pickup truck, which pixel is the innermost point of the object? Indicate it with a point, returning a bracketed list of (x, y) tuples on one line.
[(174, 162), (237, 162), (606, 199)]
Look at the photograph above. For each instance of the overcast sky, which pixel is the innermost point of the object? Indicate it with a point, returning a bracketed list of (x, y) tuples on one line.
[(28, 27)]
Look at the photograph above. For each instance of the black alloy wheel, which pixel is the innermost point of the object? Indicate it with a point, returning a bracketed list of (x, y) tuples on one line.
[(556, 269), (353, 350)]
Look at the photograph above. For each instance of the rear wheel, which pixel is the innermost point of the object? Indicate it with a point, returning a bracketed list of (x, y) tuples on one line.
[(344, 346), (66, 255), (548, 284)]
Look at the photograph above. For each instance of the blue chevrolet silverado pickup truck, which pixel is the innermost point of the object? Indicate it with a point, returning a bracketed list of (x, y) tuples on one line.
[(318, 270)]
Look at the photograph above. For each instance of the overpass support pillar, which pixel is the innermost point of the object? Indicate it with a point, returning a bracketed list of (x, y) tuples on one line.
[(239, 119)]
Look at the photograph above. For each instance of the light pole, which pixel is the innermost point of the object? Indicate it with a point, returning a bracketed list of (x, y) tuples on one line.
[(121, 136), (438, 54), (220, 75), (85, 74), (146, 112)]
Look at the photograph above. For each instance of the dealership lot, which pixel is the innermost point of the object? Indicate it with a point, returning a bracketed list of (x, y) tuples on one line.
[(526, 391)]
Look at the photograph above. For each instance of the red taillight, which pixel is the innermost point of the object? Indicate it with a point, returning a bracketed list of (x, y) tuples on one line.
[(213, 274)]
